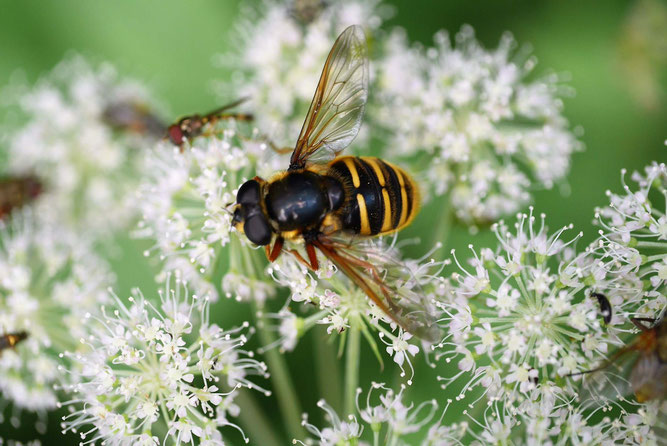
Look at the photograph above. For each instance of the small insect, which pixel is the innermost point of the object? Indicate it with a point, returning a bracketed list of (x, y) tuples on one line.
[(327, 202), (605, 306), (648, 368), (134, 117), (17, 191), (192, 126), (306, 11), (10, 340)]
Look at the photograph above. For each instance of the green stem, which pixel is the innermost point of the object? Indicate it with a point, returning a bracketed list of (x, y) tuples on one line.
[(254, 421), (352, 366), (651, 244), (328, 373), (288, 401), (655, 257), (443, 225)]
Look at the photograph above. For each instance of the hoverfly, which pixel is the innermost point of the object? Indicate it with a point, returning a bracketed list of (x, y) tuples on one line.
[(191, 126), (10, 340), (307, 11), (648, 371), (17, 191), (321, 197), (133, 117)]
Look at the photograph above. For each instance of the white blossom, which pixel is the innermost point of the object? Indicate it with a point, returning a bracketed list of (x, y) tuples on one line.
[(281, 52), (158, 375), (385, 417), (185, 199), (50, 279), (88, 167), (481, 132), (339, 303)]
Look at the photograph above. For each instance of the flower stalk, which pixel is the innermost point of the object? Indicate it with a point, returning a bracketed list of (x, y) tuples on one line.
[(290, 408), (352, 366)]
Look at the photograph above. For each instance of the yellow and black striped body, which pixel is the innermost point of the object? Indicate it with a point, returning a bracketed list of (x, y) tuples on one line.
[(380, 198)]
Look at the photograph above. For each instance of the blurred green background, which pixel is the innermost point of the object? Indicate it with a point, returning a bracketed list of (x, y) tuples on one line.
[(169, 44)]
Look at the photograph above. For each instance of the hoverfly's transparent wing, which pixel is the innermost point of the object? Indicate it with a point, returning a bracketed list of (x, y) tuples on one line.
[(335, 114), (609, 384), (649, 378), (409, 308)]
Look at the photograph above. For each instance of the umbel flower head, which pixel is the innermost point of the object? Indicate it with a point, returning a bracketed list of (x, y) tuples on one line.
[(632, 243), (50, 279), (482, 131), (159, 375), (283, 47), (341, 304), (522, 317), (185, 201), (385, 417), (520, 323), (68, 141)]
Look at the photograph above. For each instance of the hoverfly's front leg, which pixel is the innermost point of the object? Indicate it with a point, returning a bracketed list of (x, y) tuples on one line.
[(301, 260), (312, 256), (311, 263), (273, 253)]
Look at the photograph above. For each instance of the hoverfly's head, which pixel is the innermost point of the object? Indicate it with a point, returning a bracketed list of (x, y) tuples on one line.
[(184, 129), (248, 216)]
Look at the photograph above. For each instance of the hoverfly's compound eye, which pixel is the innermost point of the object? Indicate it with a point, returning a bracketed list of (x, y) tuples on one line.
[(248, 193), (257, 229), (175, 134)]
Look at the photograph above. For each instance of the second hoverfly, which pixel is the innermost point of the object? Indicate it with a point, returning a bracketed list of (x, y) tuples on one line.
[(321, 198), (644, 360)]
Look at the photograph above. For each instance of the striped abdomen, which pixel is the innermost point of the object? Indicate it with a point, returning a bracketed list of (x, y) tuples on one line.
[(381, 198)]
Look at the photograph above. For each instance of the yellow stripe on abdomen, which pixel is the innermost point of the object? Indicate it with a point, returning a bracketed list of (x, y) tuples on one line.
[(363, 215), (349, 162), (386, 223)]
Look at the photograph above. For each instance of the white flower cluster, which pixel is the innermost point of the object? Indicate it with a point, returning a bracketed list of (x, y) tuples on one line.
[(185, 199), (521, 323), (522, 316), (89, 169), (50, 279), (389, 419), (283, 49), (486, 133), (413, 284), (556, 421), (630, 253), (155, 376)]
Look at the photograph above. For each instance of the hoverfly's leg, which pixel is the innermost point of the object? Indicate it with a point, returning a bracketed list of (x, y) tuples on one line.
[(279, 150), (637, 321), (312, 256), (300, 258), (212, 119), (273, 253), (376, 276)]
